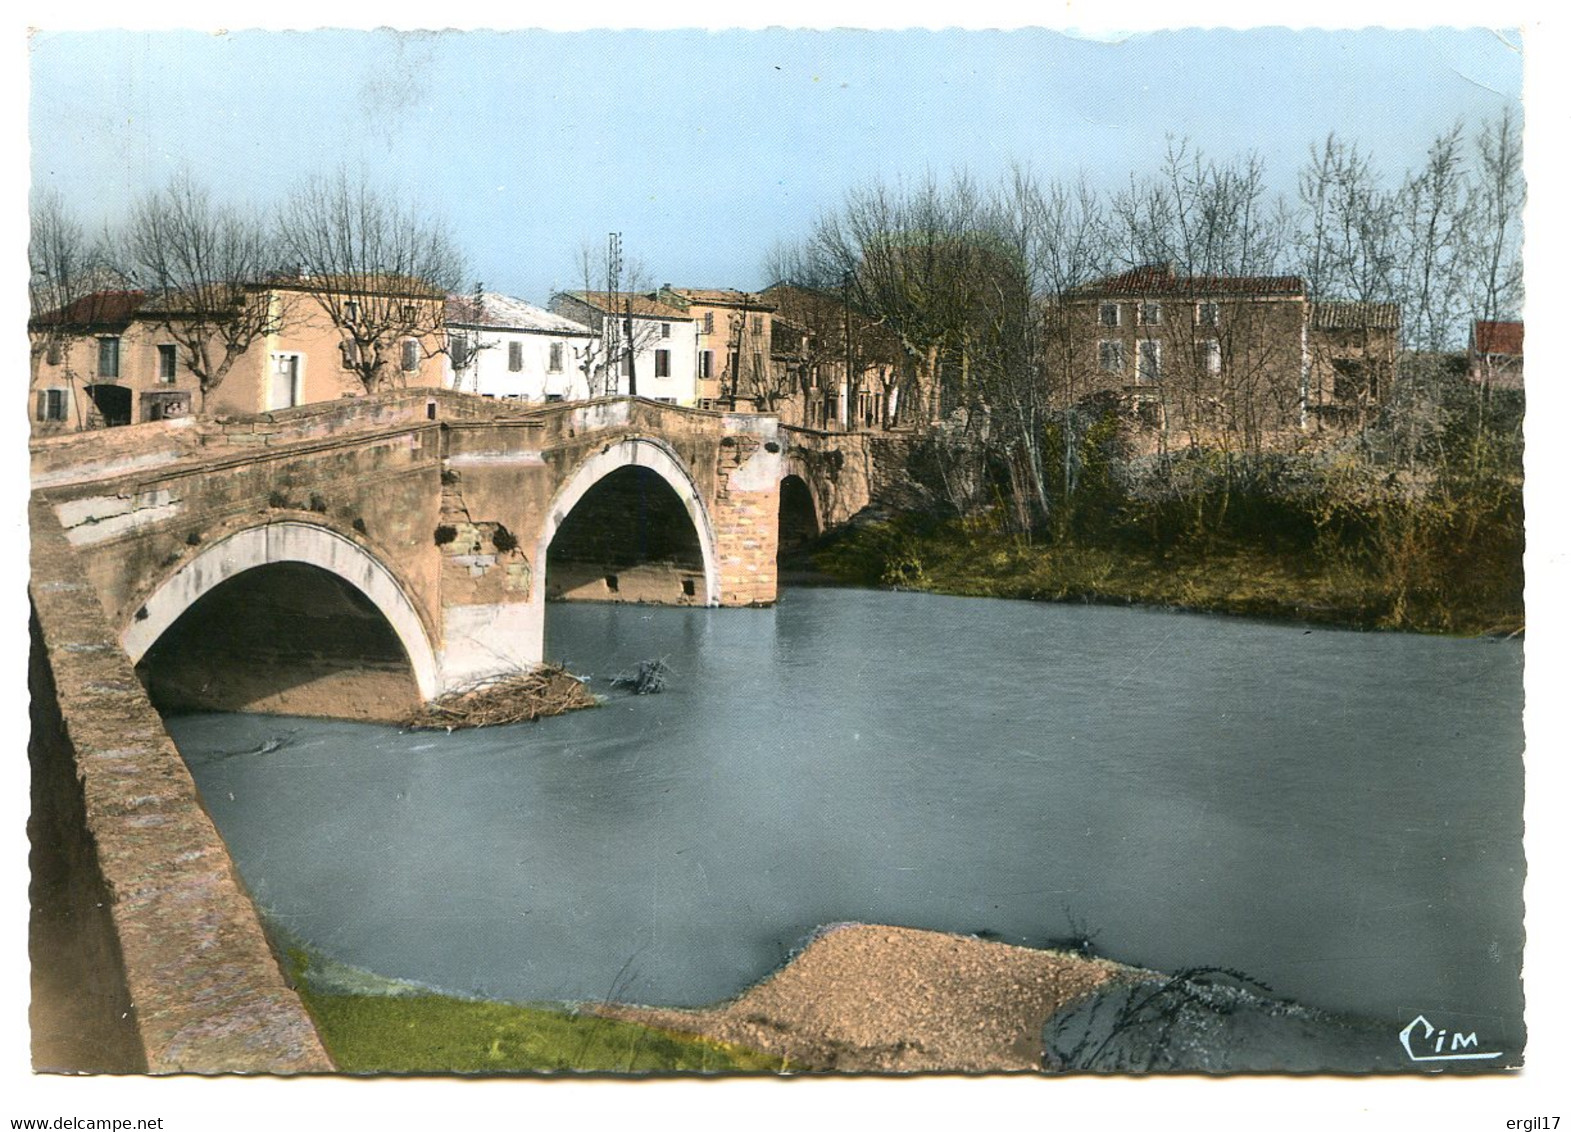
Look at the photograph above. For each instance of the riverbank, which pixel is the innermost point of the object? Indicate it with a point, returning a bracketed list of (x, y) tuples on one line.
[(863, 998), (859, 998), (952, 557)]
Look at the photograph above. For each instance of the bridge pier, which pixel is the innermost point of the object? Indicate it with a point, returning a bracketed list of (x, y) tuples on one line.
[(612, 507)]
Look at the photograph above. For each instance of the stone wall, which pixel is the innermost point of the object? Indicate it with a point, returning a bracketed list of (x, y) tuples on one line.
[(148, 954)]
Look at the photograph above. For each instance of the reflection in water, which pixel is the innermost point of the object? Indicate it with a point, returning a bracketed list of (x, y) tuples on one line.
[(1338, 814)]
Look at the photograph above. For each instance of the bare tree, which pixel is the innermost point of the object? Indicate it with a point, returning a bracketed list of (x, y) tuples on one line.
[(379, 271), (203, 265), (73, 286), (613, 297), (1495, 211), (1203, 216)]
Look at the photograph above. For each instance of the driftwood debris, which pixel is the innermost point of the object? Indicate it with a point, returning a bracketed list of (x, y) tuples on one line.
[(650, 677), (519, 698)]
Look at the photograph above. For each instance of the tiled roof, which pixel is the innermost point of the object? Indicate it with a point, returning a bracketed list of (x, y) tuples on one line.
[(1355, 316), (100, 308), (1497, 337), (1162, 279), (720, 297), (643, 305), (503, 312), (365, 284)]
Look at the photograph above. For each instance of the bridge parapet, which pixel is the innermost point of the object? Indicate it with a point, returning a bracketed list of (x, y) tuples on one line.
[(148, 955)]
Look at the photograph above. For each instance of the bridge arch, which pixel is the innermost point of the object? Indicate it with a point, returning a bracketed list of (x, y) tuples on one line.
[(289, 541), (633, 452), (800, 512)]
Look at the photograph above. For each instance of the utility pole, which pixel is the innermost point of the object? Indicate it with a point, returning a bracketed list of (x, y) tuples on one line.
[(845, 302), (613, 268)]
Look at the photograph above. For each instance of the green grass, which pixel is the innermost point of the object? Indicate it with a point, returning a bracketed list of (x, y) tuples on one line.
[(374, 1025), (433, 1034)]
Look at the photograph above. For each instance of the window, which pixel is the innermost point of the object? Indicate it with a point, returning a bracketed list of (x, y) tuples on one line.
[(51, 404), (515, 357), (52, 353), (411, 357), (1150, 360), (1150, 314), (1111, 356), (351, 311), (662, 363), (1109, 314), (758, 324), (706, 362), (166, 363), (458, 350), (709, 322), (349, 354), (1213, 356), (411, 312), (554, 362), (552, 398), (1207, 314), (627, 364), (665, 330), (109, 357), (758, 365)]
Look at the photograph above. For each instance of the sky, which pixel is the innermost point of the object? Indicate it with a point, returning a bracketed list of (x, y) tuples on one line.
[(705, 148)]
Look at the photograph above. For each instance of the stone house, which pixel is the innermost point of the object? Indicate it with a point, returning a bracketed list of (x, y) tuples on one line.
[(663, 361), (511, 350), (1494, 354), (841, 369), (123, 357), (735, 366), (1352, 350), (1238, 360)]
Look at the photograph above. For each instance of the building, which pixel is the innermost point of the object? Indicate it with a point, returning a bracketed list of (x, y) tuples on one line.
[(1494, 354), (511, 350), (841, 369), (735, 366), (662, 361), (1220, 359), (122, 357), (1352, 358)]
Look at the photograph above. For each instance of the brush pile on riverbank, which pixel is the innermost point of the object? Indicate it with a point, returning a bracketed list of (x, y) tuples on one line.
[(519, 698)]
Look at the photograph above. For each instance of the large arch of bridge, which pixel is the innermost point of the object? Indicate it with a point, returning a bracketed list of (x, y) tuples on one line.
[(275, 543), (633, 452)]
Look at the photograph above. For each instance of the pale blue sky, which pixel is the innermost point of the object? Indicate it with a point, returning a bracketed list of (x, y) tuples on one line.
[(703, 148)]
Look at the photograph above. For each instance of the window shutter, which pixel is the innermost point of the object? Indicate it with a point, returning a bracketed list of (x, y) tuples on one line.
[(43, 404)]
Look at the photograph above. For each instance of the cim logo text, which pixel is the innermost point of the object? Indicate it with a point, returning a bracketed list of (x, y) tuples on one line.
[(1423, 1042)]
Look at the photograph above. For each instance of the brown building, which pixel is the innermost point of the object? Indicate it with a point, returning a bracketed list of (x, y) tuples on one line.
[(123, 357), (1494, 354), (842, 368), (1352, 359), (1238, 360), (734, 332)]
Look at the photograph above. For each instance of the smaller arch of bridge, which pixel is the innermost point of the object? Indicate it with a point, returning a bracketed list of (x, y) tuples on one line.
[(640, 452), (287, 542)]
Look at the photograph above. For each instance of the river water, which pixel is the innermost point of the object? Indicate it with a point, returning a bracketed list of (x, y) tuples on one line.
[(1337, 814)]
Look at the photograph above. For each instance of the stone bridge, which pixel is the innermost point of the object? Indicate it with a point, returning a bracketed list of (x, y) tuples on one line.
[(354, 557), (346, 559)]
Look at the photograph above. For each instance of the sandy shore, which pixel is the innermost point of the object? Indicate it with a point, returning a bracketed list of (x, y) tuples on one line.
[(865, 998)]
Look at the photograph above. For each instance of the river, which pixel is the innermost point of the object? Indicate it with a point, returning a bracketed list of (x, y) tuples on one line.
[(1337, 813)]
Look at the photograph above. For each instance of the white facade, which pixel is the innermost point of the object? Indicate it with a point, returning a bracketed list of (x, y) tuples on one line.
[(665, 348), (511, 350), (666, 361)]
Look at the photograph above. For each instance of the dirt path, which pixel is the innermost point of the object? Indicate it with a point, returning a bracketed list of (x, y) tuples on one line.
[(865, 998)]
